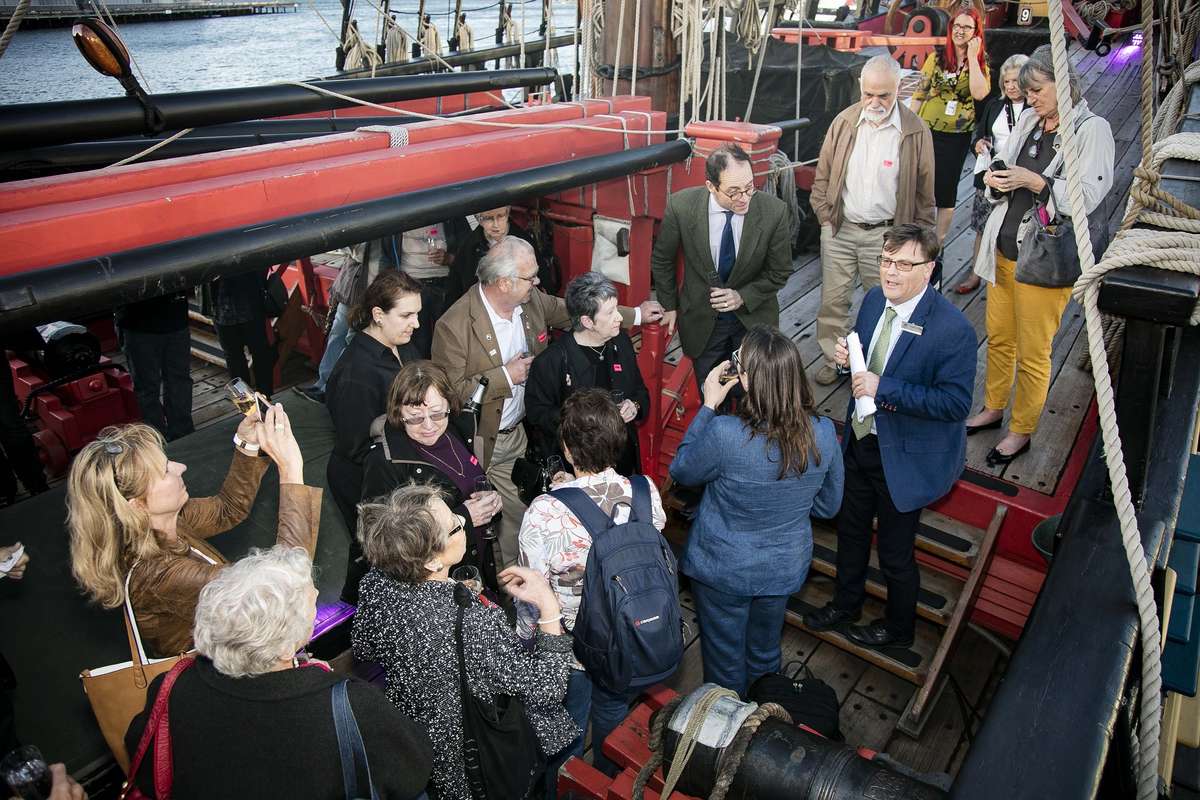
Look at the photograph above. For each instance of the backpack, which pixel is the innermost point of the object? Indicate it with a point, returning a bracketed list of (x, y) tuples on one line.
[(628, 632)]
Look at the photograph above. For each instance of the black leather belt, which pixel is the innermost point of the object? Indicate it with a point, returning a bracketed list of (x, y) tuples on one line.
[(506, 431), (870, 226)]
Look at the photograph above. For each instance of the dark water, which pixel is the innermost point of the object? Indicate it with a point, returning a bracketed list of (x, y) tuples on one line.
[(225, 52)]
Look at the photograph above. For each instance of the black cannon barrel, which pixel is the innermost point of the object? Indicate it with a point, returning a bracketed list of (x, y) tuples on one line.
[(108, 281), (791, 125), (465, 59), (84, 120)]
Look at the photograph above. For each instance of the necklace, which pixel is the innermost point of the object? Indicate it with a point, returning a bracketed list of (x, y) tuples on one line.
[(461, 469), (599, 351)]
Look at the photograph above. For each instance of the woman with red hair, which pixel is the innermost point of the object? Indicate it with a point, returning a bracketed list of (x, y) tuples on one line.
[(953, 80)]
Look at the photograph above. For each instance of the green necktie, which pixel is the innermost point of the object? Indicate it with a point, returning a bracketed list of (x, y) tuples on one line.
[(878, 358)]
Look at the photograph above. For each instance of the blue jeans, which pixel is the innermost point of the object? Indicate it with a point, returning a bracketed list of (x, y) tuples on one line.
[(577, 702), (739, 636), (609, 710), (339, 336)]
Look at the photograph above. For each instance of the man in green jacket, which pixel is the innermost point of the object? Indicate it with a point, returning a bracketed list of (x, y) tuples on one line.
[(737, 253)]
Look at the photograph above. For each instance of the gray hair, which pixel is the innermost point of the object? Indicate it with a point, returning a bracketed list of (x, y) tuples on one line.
[(1040, 68), (1013, 64), (256, 611), (502, 259), (882, 63), (399, 534), (584, 296)]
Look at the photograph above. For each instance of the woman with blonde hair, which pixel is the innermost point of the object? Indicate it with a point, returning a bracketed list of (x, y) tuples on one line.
[(134, 528)]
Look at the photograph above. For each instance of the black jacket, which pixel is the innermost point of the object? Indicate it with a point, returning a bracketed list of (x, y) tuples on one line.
[(272, 735), (565, 367), (984, 119), (392, 461)]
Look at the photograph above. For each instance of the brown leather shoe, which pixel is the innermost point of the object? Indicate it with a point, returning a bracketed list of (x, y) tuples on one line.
[(827, 375)]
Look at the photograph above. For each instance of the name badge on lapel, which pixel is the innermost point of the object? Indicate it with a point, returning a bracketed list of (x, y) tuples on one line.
[(908, 327), (542, 336), (616, 367)]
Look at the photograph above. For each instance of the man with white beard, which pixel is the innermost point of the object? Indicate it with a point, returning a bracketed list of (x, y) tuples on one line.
[(875, 170)]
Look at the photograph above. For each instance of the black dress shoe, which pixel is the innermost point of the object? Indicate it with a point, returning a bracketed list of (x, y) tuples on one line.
[(829, 617), (995, 458), (876, 634), (987, 426)]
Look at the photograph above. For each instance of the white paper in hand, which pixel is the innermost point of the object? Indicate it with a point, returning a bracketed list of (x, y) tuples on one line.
[(863, 406)]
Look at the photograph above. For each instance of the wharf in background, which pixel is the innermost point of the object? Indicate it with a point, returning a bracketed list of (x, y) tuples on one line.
[(61, 13)]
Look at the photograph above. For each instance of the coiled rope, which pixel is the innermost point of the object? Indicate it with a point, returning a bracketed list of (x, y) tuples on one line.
[(1174, 250), (731, 759), (14, 22)]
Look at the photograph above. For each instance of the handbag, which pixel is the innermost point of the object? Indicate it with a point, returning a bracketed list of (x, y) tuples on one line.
[(118, 692), (158, 730), (275, 294), (350, 744), (500, 750)]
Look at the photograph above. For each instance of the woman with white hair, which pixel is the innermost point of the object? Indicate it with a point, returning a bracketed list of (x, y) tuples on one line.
[(250, 718), (1029, 292), (993, 127)]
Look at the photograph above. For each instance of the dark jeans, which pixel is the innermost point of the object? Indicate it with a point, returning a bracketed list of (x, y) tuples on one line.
[(252, 335), (726, 337), (739, 636), (609, 710), (865, 497), (577, 702), (433, 304), (18, 456), (160, 364)]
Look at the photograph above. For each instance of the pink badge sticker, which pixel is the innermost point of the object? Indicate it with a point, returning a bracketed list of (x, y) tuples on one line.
[(542, 336), (475, 461), (887, 163), (616, 367)]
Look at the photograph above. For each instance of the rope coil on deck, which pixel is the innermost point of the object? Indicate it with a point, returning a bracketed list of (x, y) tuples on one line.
[(731, 759)]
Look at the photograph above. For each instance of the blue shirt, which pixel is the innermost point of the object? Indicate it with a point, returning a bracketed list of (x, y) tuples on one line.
[(752, 535)]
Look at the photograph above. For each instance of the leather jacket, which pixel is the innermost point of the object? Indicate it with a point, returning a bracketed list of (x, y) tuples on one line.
[(164, 590)]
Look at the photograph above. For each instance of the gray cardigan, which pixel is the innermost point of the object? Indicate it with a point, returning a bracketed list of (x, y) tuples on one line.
[(1095, 146)]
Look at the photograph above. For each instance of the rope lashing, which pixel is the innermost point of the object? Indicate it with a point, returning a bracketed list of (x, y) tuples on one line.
[(731, 758)]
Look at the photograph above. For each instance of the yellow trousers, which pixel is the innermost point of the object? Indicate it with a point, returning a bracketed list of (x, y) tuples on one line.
[(1021, 323)]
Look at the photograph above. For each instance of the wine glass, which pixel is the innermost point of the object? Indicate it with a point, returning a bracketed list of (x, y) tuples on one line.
[(468, 576), (26, 773), (482, 484)]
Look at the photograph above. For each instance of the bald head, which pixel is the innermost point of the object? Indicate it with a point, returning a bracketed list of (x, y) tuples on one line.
[(878, 83)]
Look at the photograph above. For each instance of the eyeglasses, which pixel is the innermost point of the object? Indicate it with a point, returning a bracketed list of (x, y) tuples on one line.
[(457, 528), (737, 194), (432, 416), (901, 266), (491, 218), (1035, 148), (966, 28), (533, 279)]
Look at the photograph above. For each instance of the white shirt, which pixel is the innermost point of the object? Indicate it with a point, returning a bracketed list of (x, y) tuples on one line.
[(1000, 133), (873, 174), (716, 227), (510, 335), (903, 312), (414, 252)]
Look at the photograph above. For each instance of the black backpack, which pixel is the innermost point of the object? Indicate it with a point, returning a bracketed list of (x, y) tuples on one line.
[(628, 633)]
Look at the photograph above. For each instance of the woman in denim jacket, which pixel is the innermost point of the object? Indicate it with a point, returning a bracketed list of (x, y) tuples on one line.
[(766, 469)]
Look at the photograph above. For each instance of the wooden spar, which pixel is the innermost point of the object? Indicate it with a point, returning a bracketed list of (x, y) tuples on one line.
[(452, 34), (656, 52), (421, 27), (340, 57)]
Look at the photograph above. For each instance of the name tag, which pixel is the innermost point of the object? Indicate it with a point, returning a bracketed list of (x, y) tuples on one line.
[(908, 327), (951, 108), (542, 336), (491, 352), (616, 367)]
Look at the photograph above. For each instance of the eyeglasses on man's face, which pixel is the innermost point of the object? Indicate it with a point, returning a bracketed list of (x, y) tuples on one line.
[(533, 279), (736, 193), (432, 416), (901, 266)]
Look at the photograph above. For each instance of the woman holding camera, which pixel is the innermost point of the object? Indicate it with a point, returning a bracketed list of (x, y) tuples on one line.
[(134, 526), (766, 470), (1027, 298)]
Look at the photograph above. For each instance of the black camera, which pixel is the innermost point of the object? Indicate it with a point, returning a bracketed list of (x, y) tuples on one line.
[(996, 166)]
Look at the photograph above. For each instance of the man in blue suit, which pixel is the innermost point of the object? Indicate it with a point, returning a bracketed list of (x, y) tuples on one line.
[(920, 354)]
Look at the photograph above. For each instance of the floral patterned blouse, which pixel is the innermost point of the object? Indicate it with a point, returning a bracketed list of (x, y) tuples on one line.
[(949, 106), (408, 629), (556, 544)]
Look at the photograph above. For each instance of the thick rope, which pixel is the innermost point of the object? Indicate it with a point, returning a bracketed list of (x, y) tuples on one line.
[(658, 726), (731, 759), (14, 22), (781, 182), (620, 41), (634, 61), (691, 732)]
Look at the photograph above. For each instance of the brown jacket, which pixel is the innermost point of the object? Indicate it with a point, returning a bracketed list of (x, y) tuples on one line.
[(164, 590), (914, 201), (465, 345)]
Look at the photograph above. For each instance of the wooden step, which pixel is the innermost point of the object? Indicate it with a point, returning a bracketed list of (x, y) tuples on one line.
[(207, 348), (935, 601), (948, 538), (910, 663)]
